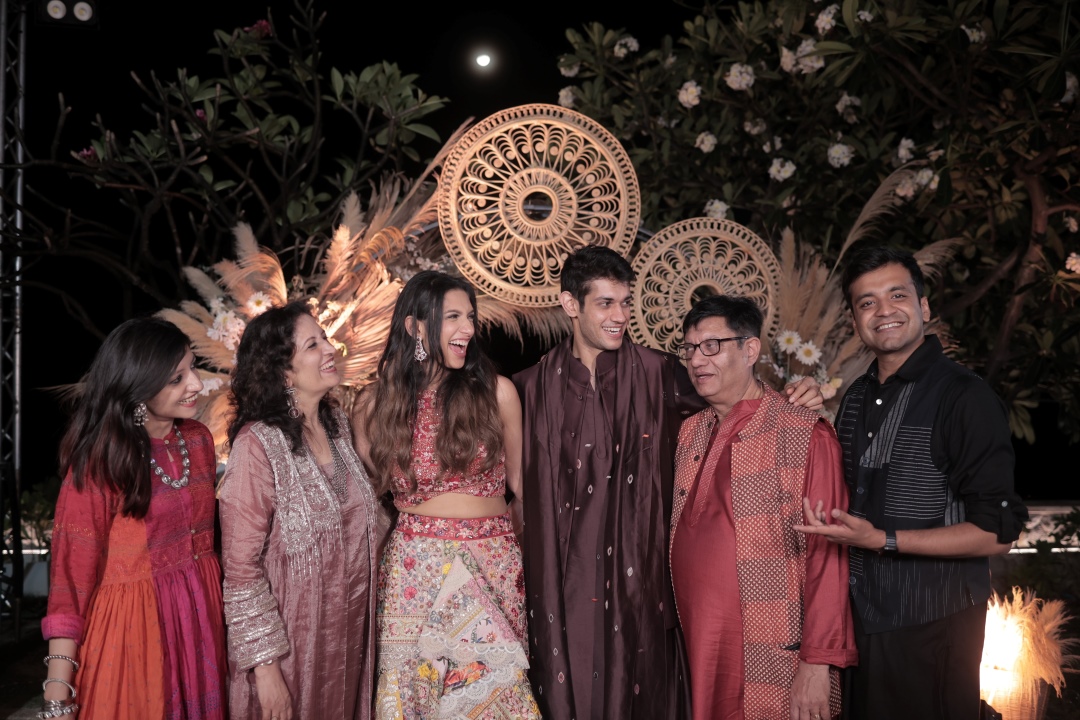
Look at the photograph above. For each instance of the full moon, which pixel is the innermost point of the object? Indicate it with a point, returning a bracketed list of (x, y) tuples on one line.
[(483, 60)]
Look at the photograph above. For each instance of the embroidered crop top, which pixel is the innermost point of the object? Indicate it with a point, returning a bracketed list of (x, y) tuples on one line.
[(430, 479)]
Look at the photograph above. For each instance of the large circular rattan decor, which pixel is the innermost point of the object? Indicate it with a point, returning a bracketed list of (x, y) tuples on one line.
[(694, 259), (526, 187)]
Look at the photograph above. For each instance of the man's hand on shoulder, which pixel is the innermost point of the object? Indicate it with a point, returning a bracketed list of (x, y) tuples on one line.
[(806, 393)]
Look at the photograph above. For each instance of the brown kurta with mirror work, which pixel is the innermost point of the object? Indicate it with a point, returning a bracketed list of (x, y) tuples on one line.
[(598, 465)]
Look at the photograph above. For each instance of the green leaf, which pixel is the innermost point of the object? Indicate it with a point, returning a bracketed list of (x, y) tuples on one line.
[(337, 82), (423, 130)]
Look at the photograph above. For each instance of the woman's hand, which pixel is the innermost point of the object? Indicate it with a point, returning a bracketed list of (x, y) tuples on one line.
[(274, 697)]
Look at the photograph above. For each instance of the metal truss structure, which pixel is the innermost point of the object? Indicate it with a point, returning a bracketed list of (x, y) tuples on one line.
[(12, 155)]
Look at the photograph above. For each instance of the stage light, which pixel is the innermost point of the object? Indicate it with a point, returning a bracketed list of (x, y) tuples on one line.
[(483, 60), (68, 13), (84, 12)]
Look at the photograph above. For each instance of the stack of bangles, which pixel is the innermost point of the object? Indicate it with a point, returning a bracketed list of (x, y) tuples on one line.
[(58, 708)]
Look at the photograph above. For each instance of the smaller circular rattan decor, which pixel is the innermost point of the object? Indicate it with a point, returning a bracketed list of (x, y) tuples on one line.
[(694, 259), (526, 187)]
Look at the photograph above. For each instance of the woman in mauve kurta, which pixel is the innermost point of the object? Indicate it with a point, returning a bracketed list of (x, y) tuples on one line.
[(135, 594), (298, 532), (443, 431)]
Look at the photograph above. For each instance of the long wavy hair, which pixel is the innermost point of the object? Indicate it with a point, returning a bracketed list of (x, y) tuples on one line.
[(103, 445), (258, 382), (466, 396)]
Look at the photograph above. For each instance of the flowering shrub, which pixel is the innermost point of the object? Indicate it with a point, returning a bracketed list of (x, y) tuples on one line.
[(812, 105)]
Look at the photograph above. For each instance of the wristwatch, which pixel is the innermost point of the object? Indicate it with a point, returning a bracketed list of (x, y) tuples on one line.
[(890, 543)]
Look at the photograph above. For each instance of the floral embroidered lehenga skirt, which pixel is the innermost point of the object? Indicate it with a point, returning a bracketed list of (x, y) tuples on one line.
[(451, 621)]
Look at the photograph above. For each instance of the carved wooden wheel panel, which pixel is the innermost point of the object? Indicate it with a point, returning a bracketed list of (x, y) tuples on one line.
[(694, 259), (526, 187)]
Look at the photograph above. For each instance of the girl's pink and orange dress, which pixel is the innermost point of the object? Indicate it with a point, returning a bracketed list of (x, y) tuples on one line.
[(143, 597)]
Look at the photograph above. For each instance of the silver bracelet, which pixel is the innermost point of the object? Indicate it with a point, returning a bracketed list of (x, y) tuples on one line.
[(56, 708), (61, 657), (62, 682)]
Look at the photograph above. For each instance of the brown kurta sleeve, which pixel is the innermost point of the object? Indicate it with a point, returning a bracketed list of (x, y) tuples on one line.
[(246, 505), (828, 637)]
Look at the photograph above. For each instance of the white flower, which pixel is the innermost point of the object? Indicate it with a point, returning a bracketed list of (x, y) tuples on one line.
[(904, 152), (864, 16), (788, 342), (754, 127), (781, 169), (211, 385), (690, 94), (775, 144), (1072, 85), (906, 189), (1072, 263), (826, 19), (828, 392), (227, 328), (924, 177), (808, 64), (740, 77), (795, 378), (787, 60), (625, 45), (706, 142), (717, 209), (258, 303), (975, 34), (932, 185), (840, 155), (217, 305), (570, 70), (1071, 223), (846, 105), (808, 353), (566, 97)]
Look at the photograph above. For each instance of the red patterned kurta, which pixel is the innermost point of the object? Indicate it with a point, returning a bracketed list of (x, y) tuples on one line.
[(143, 597), (769, 596)]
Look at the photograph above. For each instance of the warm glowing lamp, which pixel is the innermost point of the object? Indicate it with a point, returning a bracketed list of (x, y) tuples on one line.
[(1023, 654)]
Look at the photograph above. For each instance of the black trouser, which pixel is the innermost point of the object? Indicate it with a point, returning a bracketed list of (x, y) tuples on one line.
[(925, 672)]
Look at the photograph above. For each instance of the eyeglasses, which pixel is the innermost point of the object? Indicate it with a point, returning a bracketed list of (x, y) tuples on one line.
[(707, 347)]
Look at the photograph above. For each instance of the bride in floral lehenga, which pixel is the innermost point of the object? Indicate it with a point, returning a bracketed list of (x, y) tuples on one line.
[(444, 432)]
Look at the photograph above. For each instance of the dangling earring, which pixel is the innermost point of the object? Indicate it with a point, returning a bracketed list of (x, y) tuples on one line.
[(290, 397), (140, 414), (420, 354)]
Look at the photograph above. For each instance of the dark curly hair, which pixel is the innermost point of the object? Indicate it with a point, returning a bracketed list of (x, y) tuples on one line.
[(103, 445), (258, 382)]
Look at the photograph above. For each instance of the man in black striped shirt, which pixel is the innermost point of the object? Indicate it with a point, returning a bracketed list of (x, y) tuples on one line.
[(929, 464)]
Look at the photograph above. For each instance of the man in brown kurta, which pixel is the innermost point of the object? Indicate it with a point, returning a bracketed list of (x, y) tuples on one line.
[(601, 422)]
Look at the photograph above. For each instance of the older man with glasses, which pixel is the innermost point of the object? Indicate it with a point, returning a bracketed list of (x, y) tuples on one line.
[(764, 609)]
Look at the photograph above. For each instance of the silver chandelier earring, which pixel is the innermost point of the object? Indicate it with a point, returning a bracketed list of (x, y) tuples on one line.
[(420, 354), (139, 414), (290, 397)]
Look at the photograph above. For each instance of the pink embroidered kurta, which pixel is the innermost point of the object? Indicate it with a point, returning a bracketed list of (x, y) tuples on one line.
[(709, 596), (143, 597), (299, 576)]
